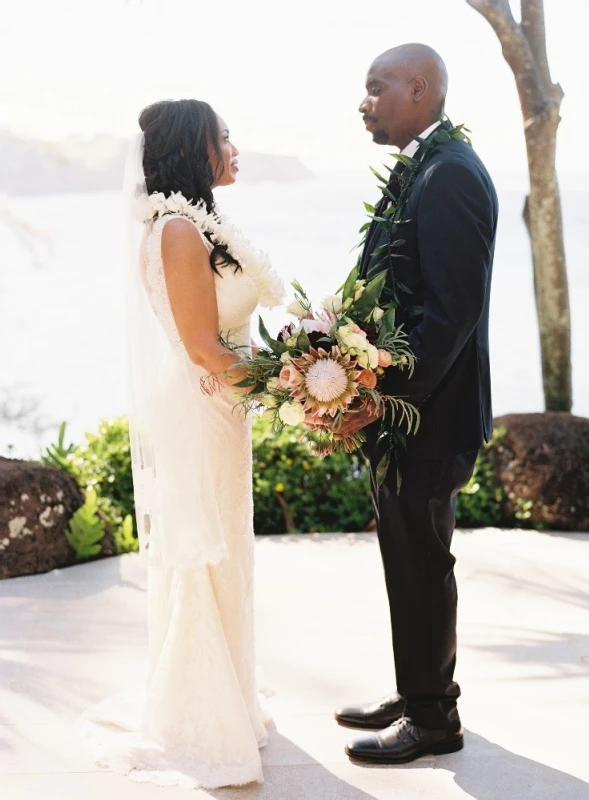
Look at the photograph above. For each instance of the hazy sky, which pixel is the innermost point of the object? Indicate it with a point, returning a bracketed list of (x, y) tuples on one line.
[(287, 77)]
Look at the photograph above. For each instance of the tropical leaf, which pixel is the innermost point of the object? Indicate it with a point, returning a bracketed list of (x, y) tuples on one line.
[(278, 348), (348, 289), (303, 342), (407, 161), (387, 323), (371, 295), (383, 468), (378, 175)]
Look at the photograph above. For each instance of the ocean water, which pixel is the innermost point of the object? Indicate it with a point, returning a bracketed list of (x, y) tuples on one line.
[(61, 333)]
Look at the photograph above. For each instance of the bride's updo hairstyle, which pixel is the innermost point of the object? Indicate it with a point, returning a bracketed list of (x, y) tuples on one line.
[(179, 135)]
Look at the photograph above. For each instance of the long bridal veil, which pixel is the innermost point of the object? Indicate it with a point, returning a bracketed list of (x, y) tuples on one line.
[(176, 527)]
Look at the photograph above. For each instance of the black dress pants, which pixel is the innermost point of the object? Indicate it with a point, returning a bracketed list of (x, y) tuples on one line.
[(415, 533)]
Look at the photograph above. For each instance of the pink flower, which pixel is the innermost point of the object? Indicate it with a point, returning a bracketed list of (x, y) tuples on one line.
[(384, 358), (290, 377), (315, 324)]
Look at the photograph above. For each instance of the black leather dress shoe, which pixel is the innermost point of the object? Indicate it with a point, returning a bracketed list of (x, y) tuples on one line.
[(404, 742), (372, 717)]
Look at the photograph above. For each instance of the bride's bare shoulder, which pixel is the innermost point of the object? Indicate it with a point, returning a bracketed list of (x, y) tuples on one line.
[(182, 241)]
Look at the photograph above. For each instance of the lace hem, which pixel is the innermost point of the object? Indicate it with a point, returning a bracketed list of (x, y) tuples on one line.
[(137, 763)]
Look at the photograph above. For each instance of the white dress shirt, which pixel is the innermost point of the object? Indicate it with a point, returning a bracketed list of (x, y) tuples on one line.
[(413, 145)]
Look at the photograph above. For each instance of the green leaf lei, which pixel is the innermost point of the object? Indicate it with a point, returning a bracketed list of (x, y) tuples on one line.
[(390, 220)]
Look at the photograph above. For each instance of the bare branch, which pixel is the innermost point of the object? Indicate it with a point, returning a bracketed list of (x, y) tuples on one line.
[(534, 28), (518, 54)]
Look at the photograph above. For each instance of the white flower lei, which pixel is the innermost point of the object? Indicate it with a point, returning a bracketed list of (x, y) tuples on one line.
[(253, 261)]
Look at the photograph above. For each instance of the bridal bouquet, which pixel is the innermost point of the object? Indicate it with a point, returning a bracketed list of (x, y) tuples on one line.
[(329, 364)]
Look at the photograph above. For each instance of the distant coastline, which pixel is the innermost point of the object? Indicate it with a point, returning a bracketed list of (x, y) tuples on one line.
[(33, 167)]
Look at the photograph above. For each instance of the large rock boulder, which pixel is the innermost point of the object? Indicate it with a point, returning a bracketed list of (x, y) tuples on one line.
[(542, 463), (36, 504)]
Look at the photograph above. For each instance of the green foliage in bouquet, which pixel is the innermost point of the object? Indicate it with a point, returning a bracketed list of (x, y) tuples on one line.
[(326, 367), (86, 529), (295, 492), (103, 465)]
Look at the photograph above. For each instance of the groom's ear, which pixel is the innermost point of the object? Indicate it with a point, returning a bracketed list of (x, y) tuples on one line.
[(419, 88)]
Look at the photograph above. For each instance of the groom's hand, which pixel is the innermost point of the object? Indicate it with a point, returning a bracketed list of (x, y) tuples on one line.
[(355, 422)]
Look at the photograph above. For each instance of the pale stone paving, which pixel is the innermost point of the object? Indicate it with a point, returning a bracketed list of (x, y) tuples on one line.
[(72, 636)]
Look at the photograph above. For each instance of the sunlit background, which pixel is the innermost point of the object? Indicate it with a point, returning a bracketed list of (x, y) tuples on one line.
[(288, 79)]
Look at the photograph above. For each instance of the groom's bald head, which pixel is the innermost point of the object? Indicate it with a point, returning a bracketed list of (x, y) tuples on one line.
[(406, 89)]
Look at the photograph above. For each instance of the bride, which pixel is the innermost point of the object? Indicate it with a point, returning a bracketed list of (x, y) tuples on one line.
[(193, 282)]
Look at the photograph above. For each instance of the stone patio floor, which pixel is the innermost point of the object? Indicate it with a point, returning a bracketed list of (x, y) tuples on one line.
[(72, 636)]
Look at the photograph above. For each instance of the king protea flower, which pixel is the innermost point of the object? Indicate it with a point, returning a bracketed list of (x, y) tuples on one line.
[(329, 381)]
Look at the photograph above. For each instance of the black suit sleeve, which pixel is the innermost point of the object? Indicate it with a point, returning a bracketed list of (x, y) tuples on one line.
[(455, 230)]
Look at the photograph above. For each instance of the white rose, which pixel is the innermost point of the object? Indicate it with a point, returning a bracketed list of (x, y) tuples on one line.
[(333, 303), (291, 413), (297, 309), (273, 384), (372, 356), (267, 400), (378, 314), (363, 360), (285, 357), (357, 341)]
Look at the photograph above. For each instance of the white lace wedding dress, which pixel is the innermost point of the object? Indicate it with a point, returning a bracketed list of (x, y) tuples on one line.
[(198, 723)]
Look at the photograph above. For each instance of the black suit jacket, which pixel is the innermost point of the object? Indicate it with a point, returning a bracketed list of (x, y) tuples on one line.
[(449, 242)]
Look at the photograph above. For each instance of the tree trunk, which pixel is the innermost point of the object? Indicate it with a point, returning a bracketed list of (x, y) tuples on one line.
[(524, 48)]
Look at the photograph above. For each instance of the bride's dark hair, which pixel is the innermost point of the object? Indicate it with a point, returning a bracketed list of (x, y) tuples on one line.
[(178, 137)]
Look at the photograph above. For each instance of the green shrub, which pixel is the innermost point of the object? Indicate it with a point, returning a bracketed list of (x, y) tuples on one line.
[(103, 465), (480, 502), (294, 491), (86, 529)]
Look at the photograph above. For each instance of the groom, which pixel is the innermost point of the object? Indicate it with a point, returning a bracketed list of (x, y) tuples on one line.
[(448, 244)]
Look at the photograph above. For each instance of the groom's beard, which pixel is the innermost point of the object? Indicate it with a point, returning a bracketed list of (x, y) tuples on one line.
[(380, 137)]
